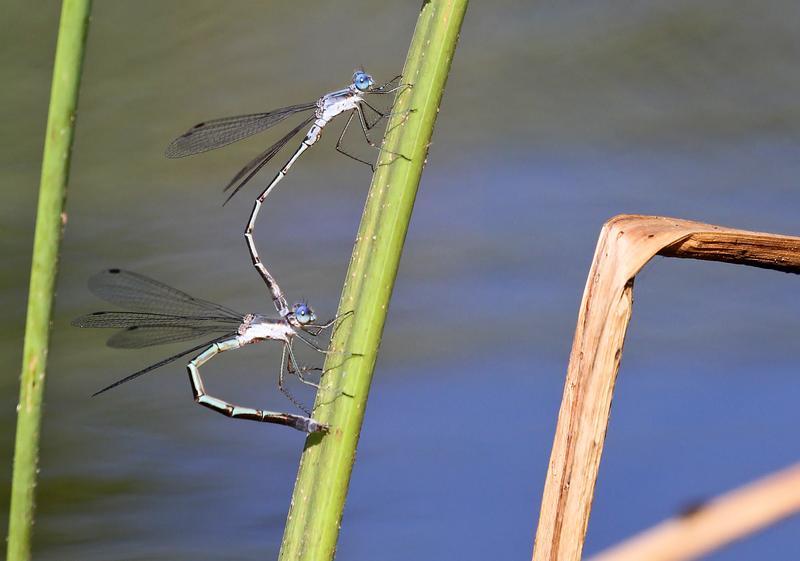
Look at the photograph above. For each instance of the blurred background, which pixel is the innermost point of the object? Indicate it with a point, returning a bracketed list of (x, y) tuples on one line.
[(557, 116)]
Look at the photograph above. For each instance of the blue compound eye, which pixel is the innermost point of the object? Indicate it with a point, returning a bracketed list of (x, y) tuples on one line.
[(303, 313), (362, 80)]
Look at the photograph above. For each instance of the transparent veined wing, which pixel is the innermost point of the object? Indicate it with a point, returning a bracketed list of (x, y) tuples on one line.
[(217, 133), (137, 292), (140, 337), (159, 364), (247, 172), (141, 329), (160, 315)]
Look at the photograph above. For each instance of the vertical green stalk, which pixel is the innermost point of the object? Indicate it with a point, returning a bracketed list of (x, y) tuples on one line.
[(47, 239), (316, 511)]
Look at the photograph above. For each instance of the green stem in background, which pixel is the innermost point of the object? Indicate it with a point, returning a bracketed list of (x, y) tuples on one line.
[(47, 239), (315, 514)]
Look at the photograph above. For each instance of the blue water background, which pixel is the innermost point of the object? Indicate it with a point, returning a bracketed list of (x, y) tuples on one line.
[(557, 116)]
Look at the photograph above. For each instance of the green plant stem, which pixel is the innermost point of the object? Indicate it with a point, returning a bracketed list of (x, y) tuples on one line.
[(47, 239), (316, 510)]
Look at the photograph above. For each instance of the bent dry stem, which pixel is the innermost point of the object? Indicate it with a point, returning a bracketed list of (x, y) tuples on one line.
[(318, 500), (625, 245)]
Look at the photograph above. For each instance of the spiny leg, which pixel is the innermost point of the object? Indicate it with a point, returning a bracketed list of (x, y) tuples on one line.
[(316, 347), (277, 295), (299, 373), (298, 370), (405, 113), (348, 154), (318, 330), (367, 126), (283, 389), (363, 121), (327, 353), (382, 89), (295, 372), (379, 115), (298, 422), (314, 329)]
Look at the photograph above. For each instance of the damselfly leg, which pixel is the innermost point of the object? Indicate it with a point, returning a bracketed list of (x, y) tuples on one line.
[(286, 359), (316, 329)]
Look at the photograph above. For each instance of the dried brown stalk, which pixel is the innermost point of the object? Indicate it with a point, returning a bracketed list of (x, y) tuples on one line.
[(727, 518), (626, 244)]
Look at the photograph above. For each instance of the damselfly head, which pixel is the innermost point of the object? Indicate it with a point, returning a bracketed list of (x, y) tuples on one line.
[(303, 313), (362, 81)]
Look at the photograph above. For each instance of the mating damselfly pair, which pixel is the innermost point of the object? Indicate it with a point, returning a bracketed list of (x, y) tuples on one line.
[(159, 314)]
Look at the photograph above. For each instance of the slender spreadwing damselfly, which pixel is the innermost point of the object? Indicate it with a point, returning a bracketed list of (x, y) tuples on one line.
[(158, 314), (216, 133)]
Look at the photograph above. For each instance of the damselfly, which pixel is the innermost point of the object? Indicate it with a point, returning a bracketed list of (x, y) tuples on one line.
[(216, 133), (159, 314)]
